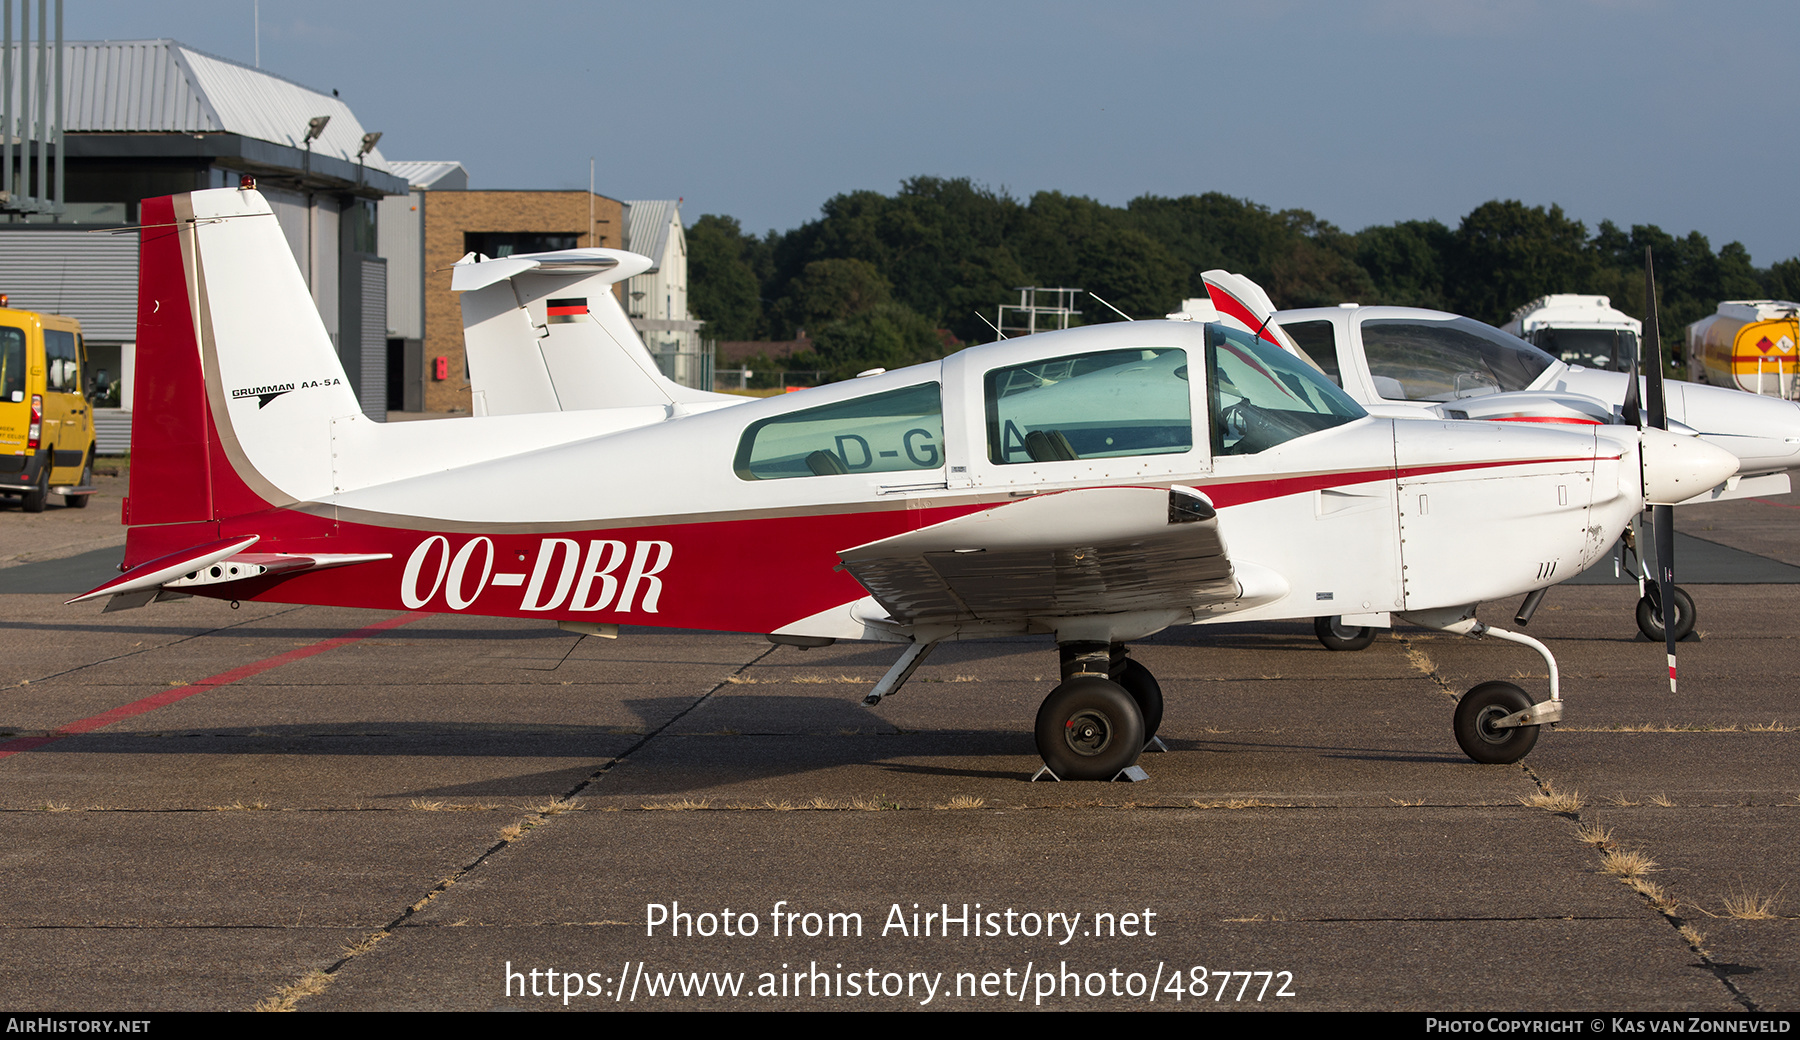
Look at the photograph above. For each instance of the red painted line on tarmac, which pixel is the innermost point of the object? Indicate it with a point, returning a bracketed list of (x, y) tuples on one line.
[(170, 696), (1778, 505)]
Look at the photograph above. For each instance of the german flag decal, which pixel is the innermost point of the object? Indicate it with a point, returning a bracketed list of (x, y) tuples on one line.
[(561, 312)]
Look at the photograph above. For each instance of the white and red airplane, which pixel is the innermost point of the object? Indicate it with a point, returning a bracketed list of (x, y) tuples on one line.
[(1096, 485), (1405, 361)]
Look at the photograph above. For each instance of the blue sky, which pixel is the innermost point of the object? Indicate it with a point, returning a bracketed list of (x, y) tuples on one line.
[(1363, 111)]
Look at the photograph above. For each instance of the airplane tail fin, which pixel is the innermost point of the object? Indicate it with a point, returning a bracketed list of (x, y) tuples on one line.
[(238, 386), (545, 333), (1243, 303)]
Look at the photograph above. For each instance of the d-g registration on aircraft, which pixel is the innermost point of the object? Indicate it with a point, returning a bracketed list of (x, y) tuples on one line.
[(1097, 485)]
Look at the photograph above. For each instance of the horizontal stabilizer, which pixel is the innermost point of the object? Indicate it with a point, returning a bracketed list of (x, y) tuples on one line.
[(167, 568), (616, 264), (215, 563)]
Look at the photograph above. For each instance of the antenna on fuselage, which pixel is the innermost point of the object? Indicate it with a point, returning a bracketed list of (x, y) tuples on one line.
[(1110, 307)]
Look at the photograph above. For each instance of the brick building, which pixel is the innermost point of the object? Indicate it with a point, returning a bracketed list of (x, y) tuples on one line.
[(450, 221)]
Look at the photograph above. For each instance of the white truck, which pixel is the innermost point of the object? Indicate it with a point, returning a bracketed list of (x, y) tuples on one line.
[(1579, 331)]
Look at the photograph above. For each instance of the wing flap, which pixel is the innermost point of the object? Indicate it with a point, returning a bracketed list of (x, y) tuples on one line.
[(1065, 554)]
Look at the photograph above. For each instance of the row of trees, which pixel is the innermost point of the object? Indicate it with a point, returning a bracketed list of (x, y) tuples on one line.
[(889, 280)]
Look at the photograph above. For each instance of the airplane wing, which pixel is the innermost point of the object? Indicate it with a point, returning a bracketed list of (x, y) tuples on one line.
[(1084, 552)]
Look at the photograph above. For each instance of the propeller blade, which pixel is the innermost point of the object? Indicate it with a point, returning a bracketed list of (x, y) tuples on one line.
[(1630, 411), (1659, 412), (1662, 523)]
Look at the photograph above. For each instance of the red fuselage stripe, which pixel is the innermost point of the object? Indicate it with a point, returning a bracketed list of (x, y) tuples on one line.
[(1223, 495), (170, 696)]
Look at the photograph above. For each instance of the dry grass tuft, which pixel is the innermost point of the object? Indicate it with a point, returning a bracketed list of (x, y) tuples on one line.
[(557, 806), (512, 832), (310, 984), (1236, 803), (1773, 726), (822, 804), (1658, 896), (1663, 800), (1595, 835), (364, 945), (1552, 800), (1408, 803), (964, 801), (1626, 864), (56, 807), (1696, 938), (1624, 802), (873, 803), (782, 806), (242, 806), (1746, 905), (684, 805)]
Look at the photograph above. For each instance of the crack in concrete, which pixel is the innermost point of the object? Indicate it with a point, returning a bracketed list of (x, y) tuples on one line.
[(318, 980)]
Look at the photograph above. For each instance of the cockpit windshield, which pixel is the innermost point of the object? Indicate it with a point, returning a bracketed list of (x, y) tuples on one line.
[(1263, 396), (1415, 360), (1611, 350)]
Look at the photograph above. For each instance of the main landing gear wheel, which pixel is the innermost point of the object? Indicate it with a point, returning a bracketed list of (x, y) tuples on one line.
[(1338, 636), (1476, 714), (1147, 692), (1089, 728), (1652, 626)]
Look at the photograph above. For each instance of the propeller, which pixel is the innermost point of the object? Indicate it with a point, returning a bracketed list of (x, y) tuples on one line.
[(1662, 517)]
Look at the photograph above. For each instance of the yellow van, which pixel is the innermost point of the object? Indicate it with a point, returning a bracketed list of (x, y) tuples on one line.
[(46, 421)]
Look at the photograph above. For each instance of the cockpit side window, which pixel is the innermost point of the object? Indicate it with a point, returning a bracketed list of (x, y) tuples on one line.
[(881, 433), (1318, 339), (1414, 360), (1090, 406), (1263, 396)]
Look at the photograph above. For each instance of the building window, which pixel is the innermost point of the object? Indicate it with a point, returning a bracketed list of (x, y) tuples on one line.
[(496, 244)]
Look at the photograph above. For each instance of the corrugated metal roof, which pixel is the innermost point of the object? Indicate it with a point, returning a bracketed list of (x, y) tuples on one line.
[(163, 86), (426, 173), (647, 226), (91, 278)]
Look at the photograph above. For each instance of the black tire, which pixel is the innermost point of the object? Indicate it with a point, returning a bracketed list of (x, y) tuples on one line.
[(87, 478), (1338, 636), (1089, 728), (1147, 693), (39, 496), (1476, 713), (1651, 625)]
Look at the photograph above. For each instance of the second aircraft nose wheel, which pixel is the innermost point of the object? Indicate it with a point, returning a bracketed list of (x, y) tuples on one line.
[(1089, 728), (1338, 636), (1650, 620)]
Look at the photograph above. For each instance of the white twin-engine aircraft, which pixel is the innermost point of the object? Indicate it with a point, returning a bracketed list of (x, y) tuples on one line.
[(1097, 485)]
